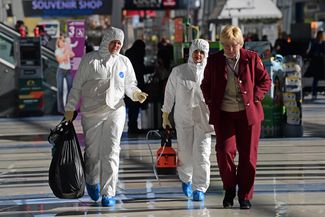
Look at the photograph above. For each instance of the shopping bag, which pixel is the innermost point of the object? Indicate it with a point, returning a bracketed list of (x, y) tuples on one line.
[(66, 172)]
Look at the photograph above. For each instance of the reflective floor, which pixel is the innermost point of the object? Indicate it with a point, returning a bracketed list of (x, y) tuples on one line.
[(290, 176)]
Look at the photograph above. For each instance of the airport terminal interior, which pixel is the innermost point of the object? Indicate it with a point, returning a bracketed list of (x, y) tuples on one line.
[(289, 181), (290, 178)]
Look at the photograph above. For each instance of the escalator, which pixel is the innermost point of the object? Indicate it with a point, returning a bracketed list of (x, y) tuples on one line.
[(9, 73), (49, 68)]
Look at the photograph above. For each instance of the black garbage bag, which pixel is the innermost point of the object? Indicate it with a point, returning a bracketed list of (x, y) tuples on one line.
[(66, 173)]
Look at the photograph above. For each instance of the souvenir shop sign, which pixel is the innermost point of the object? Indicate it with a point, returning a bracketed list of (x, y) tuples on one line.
[(160, 4), (68, 8)]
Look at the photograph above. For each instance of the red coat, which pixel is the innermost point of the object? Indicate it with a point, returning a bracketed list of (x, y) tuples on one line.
[(253, 80)]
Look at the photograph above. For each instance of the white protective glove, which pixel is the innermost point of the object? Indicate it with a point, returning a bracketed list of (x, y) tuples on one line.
[(166, 123), (140, 96), (68, 115)]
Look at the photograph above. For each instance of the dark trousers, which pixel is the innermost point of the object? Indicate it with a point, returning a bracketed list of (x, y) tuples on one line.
[(133, 113), (314, 87), (235, 135)]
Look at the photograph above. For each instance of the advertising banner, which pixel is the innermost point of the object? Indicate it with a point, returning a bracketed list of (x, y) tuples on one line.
[(161, 4), (68, 8), (179, 29), (76, 33), (51, 27)]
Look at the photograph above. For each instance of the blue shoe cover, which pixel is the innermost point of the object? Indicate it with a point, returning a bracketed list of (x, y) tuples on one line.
[(108, 201), (198, 196), (187, 189), (93, 191)]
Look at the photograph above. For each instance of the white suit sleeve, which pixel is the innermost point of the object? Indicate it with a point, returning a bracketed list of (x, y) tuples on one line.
[(170, 92), (130, 81), (78, 81)]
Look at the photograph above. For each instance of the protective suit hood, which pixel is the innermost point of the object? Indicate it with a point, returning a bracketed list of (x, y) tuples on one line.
[(110, 35), (197, 68)]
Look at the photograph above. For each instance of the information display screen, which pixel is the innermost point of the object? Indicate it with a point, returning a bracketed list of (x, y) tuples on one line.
[(30, 52)]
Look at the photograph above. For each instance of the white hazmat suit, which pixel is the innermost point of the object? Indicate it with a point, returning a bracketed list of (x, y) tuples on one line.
[(102, 80), (193, 137)]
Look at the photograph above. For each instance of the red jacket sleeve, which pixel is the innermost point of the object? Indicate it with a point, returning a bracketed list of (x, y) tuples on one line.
[(262, 79), (206, 85)]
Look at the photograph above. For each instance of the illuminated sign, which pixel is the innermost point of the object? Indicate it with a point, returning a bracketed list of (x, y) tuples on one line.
[(160, 4), (66, 7), (169, 3)]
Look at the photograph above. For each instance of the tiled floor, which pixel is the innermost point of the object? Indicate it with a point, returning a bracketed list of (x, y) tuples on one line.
[(290, 178)]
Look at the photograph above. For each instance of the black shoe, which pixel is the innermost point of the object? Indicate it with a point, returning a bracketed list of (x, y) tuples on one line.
[(245, 204), (228, 200)]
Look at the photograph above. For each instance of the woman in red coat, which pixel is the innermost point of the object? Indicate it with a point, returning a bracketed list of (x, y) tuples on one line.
[(235, 82)]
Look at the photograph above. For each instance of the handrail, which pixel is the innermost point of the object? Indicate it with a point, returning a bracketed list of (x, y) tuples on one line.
[(9, 29), (47, 52), (53, 88), (15, 33), (8, 64)]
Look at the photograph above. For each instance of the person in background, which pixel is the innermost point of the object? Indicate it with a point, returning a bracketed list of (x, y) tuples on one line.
[(193, 138), (281, 44), (265, 38), (235, 82), (21, 28), (165, 57), (18, 24), (316, 68), (45, 38), (102, 80), (165, 54), (63, 55), (136, 55), (88, 46)]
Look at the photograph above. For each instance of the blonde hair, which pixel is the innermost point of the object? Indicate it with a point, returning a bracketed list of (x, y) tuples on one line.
[(58, 39), (232, 33)]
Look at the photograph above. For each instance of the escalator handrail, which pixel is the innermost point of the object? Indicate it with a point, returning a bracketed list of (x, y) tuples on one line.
[(13, 32), (8, 64), (48, 53), (47, 85), (9, 29)]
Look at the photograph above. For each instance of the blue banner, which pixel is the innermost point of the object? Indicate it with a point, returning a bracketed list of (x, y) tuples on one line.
[(67, 8)]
